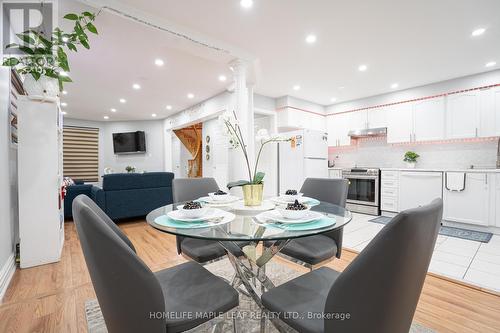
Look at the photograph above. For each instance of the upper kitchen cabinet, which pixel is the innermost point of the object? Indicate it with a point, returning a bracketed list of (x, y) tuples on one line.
[(400, 123), (358, 120), (462, 115), (429, 119), (377, 117), (338, 129), (290, 119), (489, 112)]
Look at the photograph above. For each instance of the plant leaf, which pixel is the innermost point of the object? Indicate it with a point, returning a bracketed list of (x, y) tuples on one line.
[(237, 183), (11, 62), (27, 50), (92, 28), (8, 46), (259, 176), (71, 16), (72, 47), (89, 14), (26, 38), (36, 75), (84, 42)]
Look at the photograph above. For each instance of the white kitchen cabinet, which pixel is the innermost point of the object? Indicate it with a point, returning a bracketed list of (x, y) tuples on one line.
[(358, 120), (489, 112), (418, 188), (389, 189), (335, 173), (496, 200), (470, 205), (400, 123), (429, 117), (377, 117), (338, 129), (290, 119), (462, 115)]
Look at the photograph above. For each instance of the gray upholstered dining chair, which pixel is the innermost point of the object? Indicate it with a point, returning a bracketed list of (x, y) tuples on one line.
[(133, 298), (200, 250), (379, 290), (316, 250)]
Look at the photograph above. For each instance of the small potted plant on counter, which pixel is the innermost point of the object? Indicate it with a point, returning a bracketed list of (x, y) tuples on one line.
[(411, 159), (130, 169)]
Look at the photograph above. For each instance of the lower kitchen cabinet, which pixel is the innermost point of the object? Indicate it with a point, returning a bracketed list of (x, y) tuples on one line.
[(418, 188), (335, 173), (472, 204)]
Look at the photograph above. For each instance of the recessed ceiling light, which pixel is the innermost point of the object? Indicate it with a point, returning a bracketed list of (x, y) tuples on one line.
[(333, 99), (123, 100), (64, 113), (153, 115), (490, 64), (64, 104), (190, 96), (362, 68), (136, 86), (113, 110), (159, 62), (311, 39), (106, 117), (296, 87), (169, 107), (394, 85), (246, 3), (478, 32), (222, 78), (64, 92)]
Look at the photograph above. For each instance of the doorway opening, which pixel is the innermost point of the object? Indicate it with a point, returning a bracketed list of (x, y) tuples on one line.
[(192, 142)]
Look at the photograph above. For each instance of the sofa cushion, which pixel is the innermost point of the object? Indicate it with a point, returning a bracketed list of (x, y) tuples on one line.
[(130, 181)]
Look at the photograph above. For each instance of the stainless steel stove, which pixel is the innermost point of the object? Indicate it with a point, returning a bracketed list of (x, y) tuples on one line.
[(363, 195)]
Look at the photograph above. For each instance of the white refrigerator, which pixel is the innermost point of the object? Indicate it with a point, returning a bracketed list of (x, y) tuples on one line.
[(305, 156)]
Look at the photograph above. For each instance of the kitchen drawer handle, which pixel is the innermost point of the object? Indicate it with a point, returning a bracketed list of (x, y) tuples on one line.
[(446, 183)]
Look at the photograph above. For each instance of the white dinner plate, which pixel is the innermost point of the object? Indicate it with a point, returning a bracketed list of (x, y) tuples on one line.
[(240, 206), (275, 216), (212, 213), (229, 200), (281, 201)]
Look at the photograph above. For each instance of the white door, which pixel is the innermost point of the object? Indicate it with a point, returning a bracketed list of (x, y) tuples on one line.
[(489, 112), (315, 144), (315, 168), (418, 188), (462, 115), (377, 117), (429, 119), (472, 204), (399, 123)]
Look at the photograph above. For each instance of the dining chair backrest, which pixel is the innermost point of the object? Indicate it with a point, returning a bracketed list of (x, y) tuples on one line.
[(95, 208), (329, 190), (185, 189), (381, 287), (128, 292)]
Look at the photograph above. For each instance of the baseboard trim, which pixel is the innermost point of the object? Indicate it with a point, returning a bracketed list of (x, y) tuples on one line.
[(6, 274)]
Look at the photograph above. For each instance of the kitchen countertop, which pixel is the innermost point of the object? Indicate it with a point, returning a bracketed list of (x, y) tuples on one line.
[(444, 170)]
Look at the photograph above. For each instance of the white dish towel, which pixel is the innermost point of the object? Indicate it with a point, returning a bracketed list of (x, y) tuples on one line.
[(455, 181)]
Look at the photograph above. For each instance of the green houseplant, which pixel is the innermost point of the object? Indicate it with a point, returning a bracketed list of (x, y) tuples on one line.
[(253, 186), (44, 62), (411, 159)]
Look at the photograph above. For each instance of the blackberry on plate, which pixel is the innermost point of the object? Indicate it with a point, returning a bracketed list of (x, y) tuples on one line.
[(296, 206), (219, 192), (291, 192), (192, 205)]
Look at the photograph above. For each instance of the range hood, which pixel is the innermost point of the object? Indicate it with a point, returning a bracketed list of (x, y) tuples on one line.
[(367, 132)]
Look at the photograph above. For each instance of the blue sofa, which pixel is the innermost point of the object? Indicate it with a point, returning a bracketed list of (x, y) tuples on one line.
[(71, 193), (127, 195)]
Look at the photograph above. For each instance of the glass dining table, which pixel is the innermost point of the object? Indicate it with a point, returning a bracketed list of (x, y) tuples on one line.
[(243, 232)]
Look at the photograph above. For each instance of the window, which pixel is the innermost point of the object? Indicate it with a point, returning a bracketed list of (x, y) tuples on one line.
[(81, 153)]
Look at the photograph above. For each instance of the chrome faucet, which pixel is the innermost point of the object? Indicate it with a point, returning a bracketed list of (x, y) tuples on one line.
[(498, 154)]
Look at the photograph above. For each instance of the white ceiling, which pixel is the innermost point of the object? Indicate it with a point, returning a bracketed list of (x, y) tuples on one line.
[(408, 42)]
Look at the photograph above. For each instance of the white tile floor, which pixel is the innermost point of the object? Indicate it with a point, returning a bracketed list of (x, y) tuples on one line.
[(472, 262)]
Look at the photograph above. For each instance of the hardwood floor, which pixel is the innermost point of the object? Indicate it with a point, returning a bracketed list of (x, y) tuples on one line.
[(51, 298)]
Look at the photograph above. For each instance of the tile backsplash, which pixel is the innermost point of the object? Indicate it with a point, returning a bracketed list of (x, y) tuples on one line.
[(376, 152)]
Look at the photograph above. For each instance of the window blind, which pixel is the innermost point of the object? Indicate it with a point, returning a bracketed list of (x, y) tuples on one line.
[(81, 153)]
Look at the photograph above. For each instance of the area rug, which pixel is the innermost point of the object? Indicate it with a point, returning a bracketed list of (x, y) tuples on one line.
[(245, 313), (478, 236)]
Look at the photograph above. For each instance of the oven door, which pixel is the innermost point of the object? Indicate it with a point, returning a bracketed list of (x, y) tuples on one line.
[(363, 190)]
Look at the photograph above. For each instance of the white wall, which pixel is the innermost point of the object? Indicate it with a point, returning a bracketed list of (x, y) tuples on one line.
[(152, 160), (8, 186)]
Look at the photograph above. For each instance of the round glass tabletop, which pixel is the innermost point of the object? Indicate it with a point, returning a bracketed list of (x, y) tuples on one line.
[(246, 227)]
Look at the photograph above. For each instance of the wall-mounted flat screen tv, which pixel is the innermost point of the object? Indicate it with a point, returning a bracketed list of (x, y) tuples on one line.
[(128, 143)]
